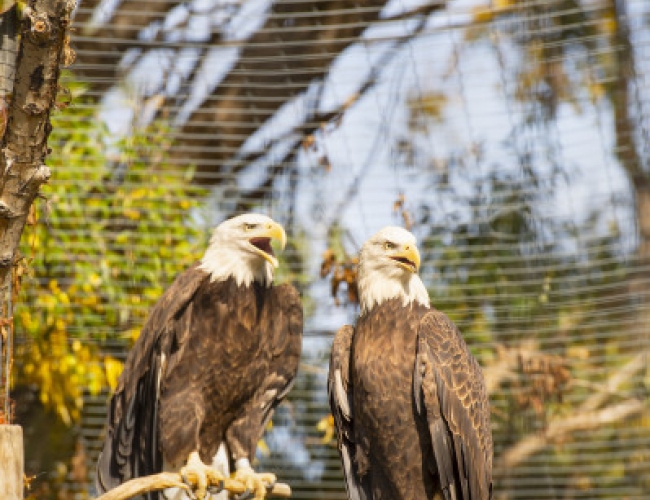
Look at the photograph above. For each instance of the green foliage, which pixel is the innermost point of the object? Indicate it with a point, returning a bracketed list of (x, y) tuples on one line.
[(116, 228)]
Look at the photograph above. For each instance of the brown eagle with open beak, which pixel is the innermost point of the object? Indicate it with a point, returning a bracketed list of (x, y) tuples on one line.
[(218, 353)]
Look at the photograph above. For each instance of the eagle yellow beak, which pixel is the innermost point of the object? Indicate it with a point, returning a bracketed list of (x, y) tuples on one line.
[(270, 231), (276, 232), (408, 257)]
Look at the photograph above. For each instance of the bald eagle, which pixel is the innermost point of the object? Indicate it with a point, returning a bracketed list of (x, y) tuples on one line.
[(217, 354), (408, 399)]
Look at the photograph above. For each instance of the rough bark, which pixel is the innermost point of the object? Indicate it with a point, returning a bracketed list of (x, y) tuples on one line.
[(24, 145), (8, 49)]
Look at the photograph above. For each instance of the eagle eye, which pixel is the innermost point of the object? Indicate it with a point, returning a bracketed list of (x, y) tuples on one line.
[(389, 245), (249, 227)]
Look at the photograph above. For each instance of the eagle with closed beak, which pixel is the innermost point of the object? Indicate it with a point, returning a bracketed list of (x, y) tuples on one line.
[(218, 352), (408, 398)]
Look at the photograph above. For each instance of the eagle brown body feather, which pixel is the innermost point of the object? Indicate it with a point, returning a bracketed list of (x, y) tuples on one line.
[(212, 362), (411, 408)]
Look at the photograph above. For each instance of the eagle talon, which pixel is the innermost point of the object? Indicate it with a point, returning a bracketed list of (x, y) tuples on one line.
[(217, 488), (190, 485), (247, 494), (199, 477), (256, 483)]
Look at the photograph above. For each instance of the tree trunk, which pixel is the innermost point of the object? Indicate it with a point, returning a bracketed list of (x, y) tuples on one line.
[(32, 83), (24, 145), (621, 97)]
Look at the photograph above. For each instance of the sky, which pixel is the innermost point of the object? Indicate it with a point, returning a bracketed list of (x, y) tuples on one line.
[(366, 173)]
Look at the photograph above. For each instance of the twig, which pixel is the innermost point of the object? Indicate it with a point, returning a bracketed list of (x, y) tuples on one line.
[(624, 374), (165, 480), (504, 368), (560, 427)]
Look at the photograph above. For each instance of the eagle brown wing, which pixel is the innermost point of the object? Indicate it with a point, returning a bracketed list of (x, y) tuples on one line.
[(282, 329), (131, 445), (450, 391), (339, 390)]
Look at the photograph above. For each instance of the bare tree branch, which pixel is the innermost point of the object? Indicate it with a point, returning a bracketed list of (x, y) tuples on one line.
[(585, 417), (505, 368), (98, 44), (558, 428), (626, 372)]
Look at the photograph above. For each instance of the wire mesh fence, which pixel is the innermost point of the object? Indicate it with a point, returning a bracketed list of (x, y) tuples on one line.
[(511, 137)]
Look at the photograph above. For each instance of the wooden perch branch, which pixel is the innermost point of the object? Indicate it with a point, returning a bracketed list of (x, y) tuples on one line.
[(165, 480)]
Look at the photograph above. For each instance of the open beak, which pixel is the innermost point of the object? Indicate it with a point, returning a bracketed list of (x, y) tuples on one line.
[(408, 258), (262, 241)]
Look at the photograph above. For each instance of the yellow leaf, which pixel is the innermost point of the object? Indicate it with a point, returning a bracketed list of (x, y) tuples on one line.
[(608, 24), (90, 300), (577, 352), (26, 319), (263, 447), (138, 193), (482, 15), (502, 4), (113, 369), (132, 214), (63, 298), (64, 414), (326, 426), (95, 386)]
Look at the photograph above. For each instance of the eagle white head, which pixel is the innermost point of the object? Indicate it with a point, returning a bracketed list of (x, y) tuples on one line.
[(240, 248), (388, 265)]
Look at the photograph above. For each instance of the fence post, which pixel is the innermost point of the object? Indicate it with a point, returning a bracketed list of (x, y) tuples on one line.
[(11, 462)]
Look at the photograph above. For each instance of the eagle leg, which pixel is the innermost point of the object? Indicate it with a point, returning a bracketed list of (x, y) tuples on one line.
[(258, 483), (200, 476)]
